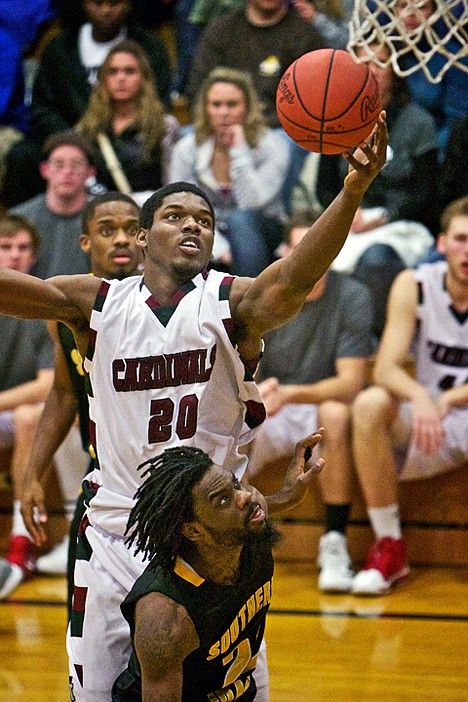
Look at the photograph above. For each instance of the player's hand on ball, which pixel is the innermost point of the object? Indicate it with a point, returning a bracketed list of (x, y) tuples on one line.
[(368, 159)]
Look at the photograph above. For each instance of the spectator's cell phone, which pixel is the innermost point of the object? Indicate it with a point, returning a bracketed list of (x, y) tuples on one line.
[(307, 454)]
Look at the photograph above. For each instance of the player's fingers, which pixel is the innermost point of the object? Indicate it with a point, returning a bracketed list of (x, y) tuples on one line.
[(355, 162), (312, 439), (314, 469), (381, 135), (34, 520), (34, 513)]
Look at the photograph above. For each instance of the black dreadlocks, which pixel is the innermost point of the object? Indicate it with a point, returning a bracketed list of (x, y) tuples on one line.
[(164, 502)]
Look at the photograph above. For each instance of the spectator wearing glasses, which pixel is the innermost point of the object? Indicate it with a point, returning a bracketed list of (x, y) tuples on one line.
[(56, 213)]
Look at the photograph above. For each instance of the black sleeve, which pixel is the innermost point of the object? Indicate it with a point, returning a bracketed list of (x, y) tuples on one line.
[(60, 92)]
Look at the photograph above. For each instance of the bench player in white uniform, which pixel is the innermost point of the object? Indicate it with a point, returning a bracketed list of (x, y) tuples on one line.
[(177, 225), (408, 428)]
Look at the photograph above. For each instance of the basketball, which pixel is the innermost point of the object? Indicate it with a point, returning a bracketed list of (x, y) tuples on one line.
[(328, 103)]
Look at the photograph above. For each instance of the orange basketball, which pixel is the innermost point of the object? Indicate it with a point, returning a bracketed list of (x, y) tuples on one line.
[(327, 102)]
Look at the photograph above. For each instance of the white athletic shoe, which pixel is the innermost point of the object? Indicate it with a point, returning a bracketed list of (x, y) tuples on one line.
[(11, 575), (54, 562), (336, 574)]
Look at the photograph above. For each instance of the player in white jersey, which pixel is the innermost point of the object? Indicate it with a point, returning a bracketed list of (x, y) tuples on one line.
[(406, 428), (176, 235), (175, 378)]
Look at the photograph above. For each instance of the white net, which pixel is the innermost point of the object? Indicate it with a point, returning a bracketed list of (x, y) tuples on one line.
[(432, 36)]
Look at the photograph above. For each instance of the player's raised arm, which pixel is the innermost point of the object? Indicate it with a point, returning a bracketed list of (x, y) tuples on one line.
[(280, 290)]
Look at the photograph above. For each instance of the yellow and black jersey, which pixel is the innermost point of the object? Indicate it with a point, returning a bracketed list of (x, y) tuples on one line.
[(229, 620)]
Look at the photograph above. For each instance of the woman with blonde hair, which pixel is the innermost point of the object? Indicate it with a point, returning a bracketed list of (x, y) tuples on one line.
[(240, 163), (125, 108)]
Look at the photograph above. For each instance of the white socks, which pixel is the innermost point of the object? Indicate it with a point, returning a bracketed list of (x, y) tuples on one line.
[(385, 521), (18, 527)]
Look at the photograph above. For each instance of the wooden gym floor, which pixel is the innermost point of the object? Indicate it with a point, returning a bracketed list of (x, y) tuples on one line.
[(409, 646)]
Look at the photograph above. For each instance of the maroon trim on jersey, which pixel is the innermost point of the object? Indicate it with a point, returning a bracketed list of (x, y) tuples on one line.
[(165, 312), (98, 305), (79, 672), (91, 344), (255, 413), (78, 611), (79, 598), (101, 296), (83, 525), (152, 303)]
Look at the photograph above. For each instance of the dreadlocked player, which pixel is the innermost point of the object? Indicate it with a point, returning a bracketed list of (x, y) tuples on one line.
[(197, 614)]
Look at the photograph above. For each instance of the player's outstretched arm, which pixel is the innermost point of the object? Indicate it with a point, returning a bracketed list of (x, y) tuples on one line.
[(164, 637), (67, 298), (280, 290), (297, 479)]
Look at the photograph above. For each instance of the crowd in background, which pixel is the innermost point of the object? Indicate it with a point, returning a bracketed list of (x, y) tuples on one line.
[(100, 95)]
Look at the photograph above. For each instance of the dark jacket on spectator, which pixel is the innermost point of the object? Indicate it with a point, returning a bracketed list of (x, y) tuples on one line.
[(61, 90)]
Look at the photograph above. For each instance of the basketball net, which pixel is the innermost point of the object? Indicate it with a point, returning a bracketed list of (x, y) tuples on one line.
[(444, 34)]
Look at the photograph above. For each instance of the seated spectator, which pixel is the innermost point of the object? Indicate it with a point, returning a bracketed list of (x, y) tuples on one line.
[(13, 111), (269, 37), (388, 232), (66, 75), (330, 17), (240, 163), (406, 427), (59, 103), (190, 19), (66, 167), (446, 100), (26, 375), (311, 370), (125, 107)]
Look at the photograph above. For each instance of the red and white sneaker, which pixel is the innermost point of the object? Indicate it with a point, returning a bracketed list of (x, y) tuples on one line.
[(385, 566), (19, 564), (22, 552)]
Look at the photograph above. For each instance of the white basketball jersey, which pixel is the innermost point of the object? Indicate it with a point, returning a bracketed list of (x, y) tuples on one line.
[(442, 338), (162, 377)]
